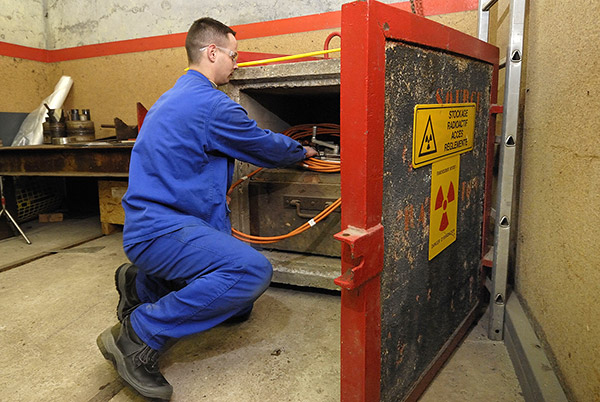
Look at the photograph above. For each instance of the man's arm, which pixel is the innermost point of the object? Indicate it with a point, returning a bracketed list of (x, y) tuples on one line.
[(232, 132)]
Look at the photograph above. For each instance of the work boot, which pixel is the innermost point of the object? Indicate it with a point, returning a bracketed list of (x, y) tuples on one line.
[(125, 283), (241, 317), (136, 362)]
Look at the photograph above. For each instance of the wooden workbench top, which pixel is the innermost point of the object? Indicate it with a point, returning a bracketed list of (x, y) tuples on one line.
[(93, 159)]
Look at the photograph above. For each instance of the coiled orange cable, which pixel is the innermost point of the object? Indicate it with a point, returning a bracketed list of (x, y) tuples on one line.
[(303, 131), (298, 133)]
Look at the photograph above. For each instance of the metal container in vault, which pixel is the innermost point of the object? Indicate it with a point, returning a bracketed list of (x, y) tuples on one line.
[(405, 308), (276, 201)]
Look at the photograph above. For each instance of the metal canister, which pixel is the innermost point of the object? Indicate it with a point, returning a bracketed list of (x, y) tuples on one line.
[(53, 130), (81, 130)]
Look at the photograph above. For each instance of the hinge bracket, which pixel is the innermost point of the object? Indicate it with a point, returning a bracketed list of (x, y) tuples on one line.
[(362, 255)]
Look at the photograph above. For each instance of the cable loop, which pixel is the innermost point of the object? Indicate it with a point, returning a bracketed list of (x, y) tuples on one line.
[(318, 165)]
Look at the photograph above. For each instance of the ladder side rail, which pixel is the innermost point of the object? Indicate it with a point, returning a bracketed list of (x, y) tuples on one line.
[(506, 171), (483, 21)]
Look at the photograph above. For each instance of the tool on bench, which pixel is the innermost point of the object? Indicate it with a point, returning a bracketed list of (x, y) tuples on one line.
[(122, 130)]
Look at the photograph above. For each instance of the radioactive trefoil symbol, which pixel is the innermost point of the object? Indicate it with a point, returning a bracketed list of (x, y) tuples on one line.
[(441, 202), (428, 143)]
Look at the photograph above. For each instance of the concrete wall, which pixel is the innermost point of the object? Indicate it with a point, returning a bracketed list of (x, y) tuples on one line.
[(558, 275), (75, 23), (61, 24), (23, 22)]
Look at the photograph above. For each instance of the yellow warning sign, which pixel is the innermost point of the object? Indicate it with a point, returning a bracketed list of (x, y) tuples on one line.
[(442, 130), (444, 204)]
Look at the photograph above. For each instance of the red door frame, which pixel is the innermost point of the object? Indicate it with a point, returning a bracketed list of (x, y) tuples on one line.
[(366, 25)]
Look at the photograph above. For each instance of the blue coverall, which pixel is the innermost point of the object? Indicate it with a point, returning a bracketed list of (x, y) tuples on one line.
[(193, 274)]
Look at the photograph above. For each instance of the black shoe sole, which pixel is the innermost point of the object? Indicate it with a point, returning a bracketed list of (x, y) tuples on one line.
[(110, 351)]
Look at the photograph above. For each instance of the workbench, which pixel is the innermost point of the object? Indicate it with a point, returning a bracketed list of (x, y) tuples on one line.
[(107, 161)]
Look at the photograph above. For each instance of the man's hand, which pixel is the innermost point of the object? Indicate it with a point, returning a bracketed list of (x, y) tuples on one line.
[(310, 152)]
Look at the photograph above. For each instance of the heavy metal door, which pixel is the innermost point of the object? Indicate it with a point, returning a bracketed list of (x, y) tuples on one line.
[(413, 187)]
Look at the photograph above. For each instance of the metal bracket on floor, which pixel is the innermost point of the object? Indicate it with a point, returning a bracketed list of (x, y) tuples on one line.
[(534, 371)]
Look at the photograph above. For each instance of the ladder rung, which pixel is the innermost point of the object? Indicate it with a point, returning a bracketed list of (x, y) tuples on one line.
[(502, 63), (489, 5)]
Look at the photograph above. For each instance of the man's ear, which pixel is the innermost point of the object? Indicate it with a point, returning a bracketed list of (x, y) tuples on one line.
[(211, 53)]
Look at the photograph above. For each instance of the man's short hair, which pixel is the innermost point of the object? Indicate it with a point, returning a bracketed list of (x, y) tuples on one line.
[(204, 32)]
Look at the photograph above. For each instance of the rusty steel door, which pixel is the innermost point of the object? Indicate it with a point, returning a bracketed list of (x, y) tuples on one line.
[(407, 298)]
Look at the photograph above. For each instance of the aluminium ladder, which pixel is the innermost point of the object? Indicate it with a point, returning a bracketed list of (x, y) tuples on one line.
[(507, 158)]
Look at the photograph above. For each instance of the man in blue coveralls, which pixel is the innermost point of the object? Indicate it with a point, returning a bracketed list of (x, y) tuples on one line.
[(190, 274)]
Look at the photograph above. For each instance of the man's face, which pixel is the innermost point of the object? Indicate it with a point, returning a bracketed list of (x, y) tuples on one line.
[(226, 61)]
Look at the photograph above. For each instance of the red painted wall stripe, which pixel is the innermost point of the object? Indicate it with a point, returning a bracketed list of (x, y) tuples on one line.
[(246, 31), (23, 52), (118, 47)]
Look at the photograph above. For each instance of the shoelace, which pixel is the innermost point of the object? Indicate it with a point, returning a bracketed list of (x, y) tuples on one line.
[(148, 357)]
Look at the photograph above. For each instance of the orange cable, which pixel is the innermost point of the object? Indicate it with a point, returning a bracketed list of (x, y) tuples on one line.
[(302, 228), (298, 132)]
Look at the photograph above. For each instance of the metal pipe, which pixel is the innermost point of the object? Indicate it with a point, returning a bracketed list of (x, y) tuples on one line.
[(285, 58)]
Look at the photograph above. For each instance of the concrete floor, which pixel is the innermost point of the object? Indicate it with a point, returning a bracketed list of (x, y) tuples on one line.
[(56, 300)]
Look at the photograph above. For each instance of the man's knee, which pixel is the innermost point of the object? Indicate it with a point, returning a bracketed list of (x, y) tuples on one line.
[(259, 267)]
